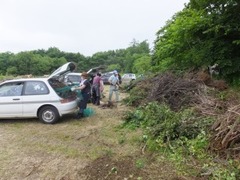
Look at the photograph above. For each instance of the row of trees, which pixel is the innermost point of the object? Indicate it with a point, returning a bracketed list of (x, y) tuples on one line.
[(40, 62), (203, 33)]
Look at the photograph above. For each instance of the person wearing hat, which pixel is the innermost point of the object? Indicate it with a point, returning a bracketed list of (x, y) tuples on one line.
[(85, 88), (114, 85)]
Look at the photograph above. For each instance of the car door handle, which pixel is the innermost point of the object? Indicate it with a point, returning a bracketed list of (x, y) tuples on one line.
[(16, 99)]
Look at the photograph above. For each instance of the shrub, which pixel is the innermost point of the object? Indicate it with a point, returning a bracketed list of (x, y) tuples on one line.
[(161, 122)]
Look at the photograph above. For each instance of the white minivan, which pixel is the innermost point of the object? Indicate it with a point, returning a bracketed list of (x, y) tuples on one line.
[(47, 99), (128, 78)]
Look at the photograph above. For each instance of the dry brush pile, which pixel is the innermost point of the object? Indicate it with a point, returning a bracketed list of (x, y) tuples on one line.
[(200, 91), (226, 133)]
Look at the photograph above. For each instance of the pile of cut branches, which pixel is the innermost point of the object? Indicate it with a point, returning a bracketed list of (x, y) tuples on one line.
[(192, 90), (174, 91), (226, 133)]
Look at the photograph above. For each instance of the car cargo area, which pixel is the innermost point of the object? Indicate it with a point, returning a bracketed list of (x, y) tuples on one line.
[(63, 90)]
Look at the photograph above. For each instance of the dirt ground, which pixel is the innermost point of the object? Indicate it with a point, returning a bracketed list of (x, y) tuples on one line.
[(93, 148)]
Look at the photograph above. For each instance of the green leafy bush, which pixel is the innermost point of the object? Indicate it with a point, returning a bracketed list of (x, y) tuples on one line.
[(162, 123), (137, 95)]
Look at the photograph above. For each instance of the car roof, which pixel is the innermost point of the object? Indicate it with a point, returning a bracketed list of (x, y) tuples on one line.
[(110, 72), (26, 79), (74, 73)]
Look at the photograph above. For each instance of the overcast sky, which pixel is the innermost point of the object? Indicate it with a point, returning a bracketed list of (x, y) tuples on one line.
[(84, 26)]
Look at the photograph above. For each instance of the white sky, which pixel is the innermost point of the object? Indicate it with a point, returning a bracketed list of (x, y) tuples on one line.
[(84, 26)]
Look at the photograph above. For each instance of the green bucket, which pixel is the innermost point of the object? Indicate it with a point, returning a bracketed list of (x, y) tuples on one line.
[(88, 112)]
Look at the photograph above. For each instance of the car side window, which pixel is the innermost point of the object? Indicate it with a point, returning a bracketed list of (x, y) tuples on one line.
[(11, 89), (35, 88)]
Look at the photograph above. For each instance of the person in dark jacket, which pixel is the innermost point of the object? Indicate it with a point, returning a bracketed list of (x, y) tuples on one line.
[(119, 78), (85, 88)]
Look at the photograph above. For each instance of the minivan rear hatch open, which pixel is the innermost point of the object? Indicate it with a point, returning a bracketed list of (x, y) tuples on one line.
[(56, 81)]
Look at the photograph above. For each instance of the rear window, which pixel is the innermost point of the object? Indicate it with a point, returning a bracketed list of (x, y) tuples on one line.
[(129, 76)]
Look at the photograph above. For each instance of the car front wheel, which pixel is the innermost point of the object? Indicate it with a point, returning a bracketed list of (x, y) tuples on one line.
[(48, 115)]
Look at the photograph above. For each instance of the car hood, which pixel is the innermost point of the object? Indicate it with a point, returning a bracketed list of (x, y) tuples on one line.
[(64, 69)]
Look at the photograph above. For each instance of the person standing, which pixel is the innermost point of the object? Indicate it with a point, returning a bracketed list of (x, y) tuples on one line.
[(114, 86), (85, 88), (119, 78), (97, 88)]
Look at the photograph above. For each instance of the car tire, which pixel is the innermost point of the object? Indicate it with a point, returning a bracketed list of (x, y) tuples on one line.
[(48, 115)]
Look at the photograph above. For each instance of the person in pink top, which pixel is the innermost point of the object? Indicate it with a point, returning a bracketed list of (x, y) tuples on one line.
[(97, 89)]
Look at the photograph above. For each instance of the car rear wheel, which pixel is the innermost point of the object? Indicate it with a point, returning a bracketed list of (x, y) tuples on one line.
[(48, 115)]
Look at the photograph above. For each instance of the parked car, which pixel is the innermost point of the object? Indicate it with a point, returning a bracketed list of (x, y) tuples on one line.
[(72, 79), (47, 99), (106, 76), (128, 78)]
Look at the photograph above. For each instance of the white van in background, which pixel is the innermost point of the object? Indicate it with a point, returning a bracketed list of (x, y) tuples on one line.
[(128, 77)]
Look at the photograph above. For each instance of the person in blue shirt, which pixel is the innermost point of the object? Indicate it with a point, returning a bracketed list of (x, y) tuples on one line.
[(114, 86)]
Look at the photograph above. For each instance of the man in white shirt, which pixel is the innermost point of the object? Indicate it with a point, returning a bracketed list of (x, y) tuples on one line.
[(114, 85)]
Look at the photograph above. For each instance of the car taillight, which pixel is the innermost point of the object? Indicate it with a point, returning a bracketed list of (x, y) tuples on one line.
[(64, 101), (67, 100)]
